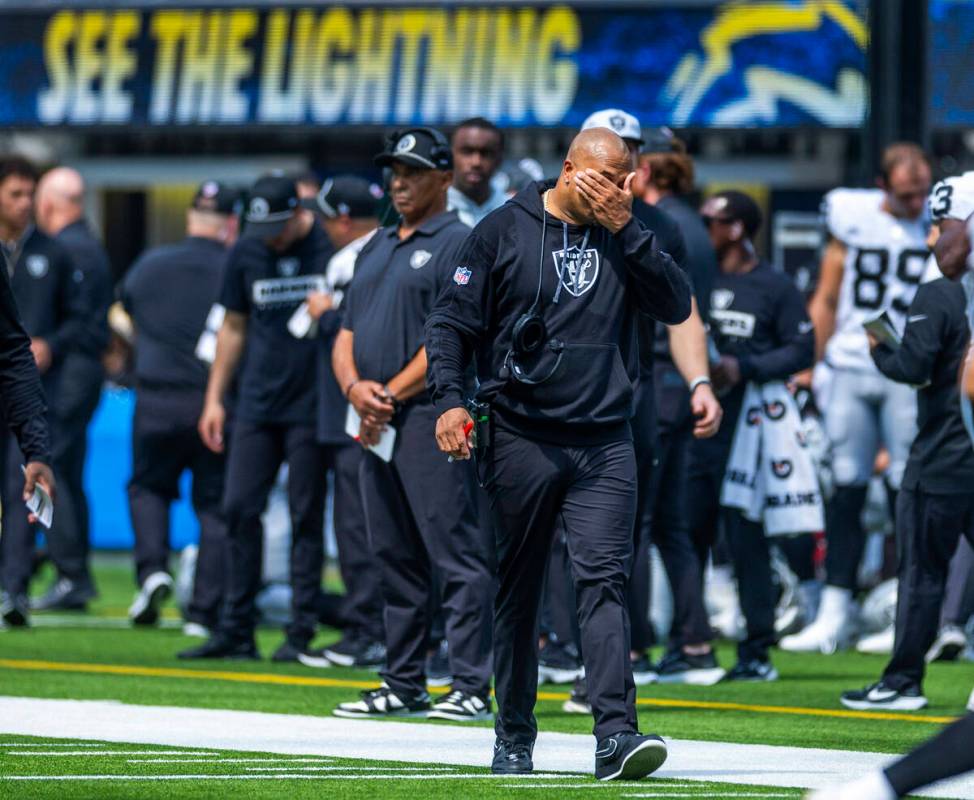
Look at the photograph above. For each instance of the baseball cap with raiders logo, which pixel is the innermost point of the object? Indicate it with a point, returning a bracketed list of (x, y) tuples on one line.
[(346, 195), (217, 198), (270, 203), (623, 123), (420, 147)]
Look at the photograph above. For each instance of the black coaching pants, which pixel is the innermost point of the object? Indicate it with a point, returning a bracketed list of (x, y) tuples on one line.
[(422, 514), (256, 453), (163, 447), (928, 528), (592, 492), (362, 607)]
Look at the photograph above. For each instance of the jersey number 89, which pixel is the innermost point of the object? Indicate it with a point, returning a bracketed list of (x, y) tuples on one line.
[(869, 289)]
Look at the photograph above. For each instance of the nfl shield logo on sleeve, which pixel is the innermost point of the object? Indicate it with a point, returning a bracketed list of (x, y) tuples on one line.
[(462, 276)]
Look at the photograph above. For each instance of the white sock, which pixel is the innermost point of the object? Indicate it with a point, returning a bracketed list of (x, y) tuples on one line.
[(835, 603)]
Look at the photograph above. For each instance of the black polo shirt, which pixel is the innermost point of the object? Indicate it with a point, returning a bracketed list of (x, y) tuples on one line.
[(395, 284), (49, 294), (168, 293), (277, 377)]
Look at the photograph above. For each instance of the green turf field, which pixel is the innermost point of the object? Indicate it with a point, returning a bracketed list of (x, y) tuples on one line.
[(58, 659)]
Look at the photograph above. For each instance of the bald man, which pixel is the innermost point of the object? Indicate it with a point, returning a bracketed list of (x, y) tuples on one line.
[(60, 213), (545, 298)]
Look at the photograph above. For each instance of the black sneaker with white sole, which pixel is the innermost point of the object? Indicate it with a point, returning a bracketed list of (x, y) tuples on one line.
[(577, 702), (220, 646), (696, 670), (358, 651), (559, 663), (65, 595), (628, 757), (881, 696), (643, 671), (438, 672), (14, 610), (291, 650), (753, 671), (460, 706), (382, 703), (511, 758), (151, 595)]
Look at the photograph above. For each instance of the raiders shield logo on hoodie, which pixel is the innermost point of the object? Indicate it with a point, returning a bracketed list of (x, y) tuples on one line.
[(577, 270)]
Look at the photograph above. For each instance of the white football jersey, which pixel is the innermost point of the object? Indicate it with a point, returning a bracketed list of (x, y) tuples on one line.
[(886, 260)]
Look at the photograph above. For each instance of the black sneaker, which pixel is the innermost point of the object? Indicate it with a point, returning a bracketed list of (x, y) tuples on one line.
[(753, 671), (355, 650), (884, 697), (65, 595), (14, 610), (643, 671), (699, 670), (150, 597), (628, 757), (438, 672), (290, 651), (221, 646), (372, 656), (578, 703), (511, 758), (460, 706), (383, 703), (559, 663)]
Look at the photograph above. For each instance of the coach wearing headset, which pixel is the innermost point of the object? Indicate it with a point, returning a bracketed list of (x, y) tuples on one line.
[(421, 510), (545, 295)]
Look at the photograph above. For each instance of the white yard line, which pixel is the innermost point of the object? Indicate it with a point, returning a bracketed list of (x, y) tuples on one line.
[(384, 776), (91, 753), (35, 745), (349, 769), (446, 745), (284, 760)]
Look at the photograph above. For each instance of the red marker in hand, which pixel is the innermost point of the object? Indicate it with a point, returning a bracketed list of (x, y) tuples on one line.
[(468, 426)]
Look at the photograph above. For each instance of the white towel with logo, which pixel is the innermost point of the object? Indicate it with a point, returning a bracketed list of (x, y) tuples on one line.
[(770, 474)]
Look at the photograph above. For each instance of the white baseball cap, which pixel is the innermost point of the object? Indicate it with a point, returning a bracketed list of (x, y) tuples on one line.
[(626, 125)]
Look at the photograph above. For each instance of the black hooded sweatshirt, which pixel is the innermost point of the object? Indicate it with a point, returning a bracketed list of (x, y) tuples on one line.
[(589, 304)]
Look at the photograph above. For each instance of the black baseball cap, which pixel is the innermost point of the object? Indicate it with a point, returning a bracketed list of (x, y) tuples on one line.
[(271, 202), (217, 198), (661, 140), (734, 206), (420, 147), (346, 194)]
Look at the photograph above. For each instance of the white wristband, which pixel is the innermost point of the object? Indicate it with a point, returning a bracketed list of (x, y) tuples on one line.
[(696, 382)]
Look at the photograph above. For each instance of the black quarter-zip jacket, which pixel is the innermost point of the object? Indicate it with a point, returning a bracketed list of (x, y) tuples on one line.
[(594, 313), (930, 356)]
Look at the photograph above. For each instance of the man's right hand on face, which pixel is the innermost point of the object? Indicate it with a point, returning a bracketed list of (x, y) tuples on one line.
[(370, 402), (450, 433)]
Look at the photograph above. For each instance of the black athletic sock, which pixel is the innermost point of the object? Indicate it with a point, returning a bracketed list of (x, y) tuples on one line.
[(948, 754)]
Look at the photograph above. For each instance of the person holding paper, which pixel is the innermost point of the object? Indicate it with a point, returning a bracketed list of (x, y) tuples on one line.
[(421, 510), (935, 506), (43, 300), (169, 294), (280, 258)]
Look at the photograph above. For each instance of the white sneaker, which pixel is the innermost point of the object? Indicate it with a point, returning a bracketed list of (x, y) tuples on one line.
[(877, 644), (196, 630), (153, 592), (832, 629), (873, 786), (950, 643)]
